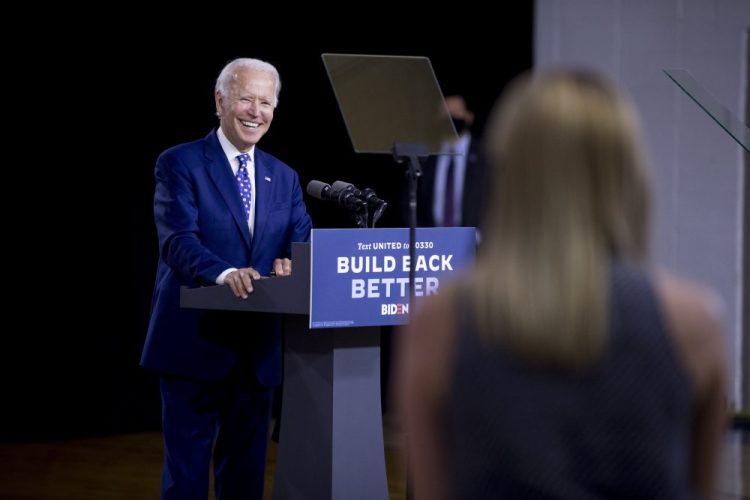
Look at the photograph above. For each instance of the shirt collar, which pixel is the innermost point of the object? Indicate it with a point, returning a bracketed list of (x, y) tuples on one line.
[(231, 152), (462, 145)]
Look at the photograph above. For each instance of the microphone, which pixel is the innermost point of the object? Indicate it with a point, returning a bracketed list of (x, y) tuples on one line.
[(342, 197), (367, 195)]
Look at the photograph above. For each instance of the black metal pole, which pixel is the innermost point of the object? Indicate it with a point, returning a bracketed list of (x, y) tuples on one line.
[(413, 153)]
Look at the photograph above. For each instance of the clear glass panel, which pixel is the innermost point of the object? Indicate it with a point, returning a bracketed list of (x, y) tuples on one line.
[(389, 99), (725, 118)]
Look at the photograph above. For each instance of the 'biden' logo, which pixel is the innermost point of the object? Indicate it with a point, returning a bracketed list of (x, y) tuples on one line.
[(393, 309)]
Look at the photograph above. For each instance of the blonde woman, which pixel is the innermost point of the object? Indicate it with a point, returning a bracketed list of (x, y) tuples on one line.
[(566, 366)]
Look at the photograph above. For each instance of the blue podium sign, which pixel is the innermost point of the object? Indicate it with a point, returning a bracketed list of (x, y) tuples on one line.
[(360, 277)]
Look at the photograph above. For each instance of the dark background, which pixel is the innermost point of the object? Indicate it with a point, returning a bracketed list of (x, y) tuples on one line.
[(71, 359)]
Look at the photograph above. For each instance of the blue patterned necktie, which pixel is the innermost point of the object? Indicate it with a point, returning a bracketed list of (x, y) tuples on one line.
[(243, 182)]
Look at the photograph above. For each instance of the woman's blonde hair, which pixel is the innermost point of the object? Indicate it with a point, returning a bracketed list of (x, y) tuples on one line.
[(570, 194)]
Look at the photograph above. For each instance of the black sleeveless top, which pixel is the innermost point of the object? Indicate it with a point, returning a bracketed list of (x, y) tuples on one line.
[(620, 430)]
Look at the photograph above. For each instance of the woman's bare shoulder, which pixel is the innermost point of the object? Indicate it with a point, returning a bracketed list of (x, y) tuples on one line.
[(433, 311), (433, 323), (428, 340), (693, 316)]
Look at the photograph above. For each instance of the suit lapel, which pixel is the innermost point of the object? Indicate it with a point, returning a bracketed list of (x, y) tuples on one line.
[(474, 185), (263, 179), (221, 174)]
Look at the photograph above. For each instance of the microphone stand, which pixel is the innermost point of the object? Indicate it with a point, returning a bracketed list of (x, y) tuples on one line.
[(378, 212), (361, 216)]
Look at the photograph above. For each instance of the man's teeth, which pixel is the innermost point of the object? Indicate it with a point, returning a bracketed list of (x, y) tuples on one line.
[(250, 124)]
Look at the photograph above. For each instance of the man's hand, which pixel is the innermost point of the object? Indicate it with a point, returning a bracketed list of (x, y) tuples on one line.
[(240, 281), (282, 267)]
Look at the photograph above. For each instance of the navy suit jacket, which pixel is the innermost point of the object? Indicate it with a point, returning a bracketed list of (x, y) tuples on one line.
[(474, 193), (203, 231)]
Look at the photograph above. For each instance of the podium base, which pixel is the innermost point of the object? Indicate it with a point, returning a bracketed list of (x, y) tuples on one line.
[(331, 442)]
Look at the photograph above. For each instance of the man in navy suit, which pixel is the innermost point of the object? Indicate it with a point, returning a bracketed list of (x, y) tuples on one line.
[(226, 213), (462, 160)]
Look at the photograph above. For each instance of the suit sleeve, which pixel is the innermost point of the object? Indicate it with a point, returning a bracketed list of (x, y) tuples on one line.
[(300, 221), (176, 216)]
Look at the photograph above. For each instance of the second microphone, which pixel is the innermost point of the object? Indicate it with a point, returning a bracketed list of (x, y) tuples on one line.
[(342, 197)]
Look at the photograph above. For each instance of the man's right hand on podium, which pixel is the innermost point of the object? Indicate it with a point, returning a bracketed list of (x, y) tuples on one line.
[(240, 281)]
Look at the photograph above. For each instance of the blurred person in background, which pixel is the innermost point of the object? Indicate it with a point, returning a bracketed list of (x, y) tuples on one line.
[(453, 186), (565, 365)]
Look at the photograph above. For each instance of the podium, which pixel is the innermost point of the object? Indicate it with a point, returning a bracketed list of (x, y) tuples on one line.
[(331, 442)]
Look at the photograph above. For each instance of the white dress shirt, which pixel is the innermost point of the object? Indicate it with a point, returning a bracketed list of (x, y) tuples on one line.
[(231, 153), (460, 151)]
